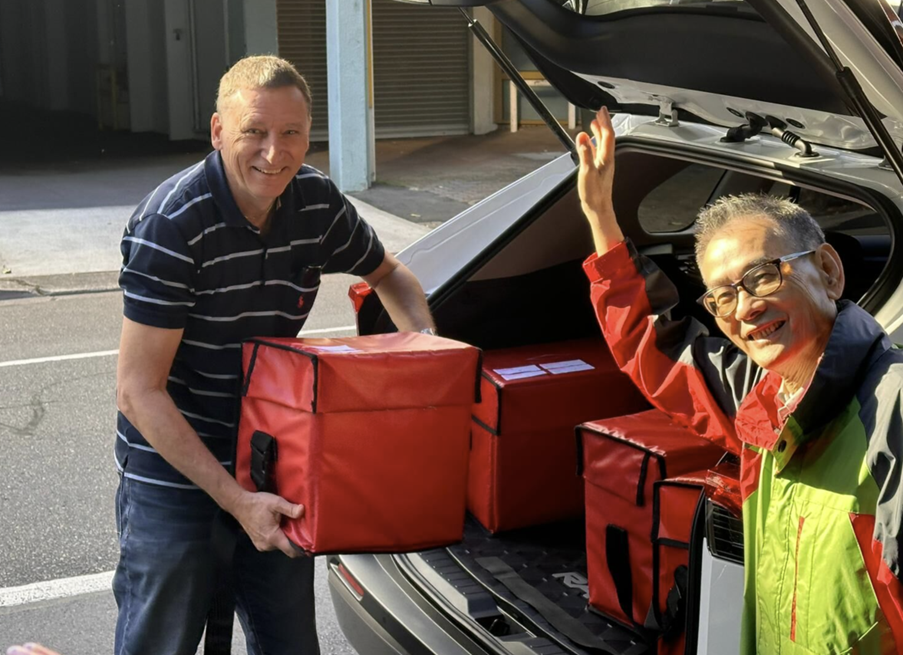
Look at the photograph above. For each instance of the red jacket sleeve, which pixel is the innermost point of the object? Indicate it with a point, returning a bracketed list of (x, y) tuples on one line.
[(697, 379)]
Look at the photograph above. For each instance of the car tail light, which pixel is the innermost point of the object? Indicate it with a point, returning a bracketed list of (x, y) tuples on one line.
[(723, 487), (350, 582)]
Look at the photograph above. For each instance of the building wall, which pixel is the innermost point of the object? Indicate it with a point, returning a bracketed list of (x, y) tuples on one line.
[(48, 53), (211, 56), (146, 52), (24, 39), (81, 22)]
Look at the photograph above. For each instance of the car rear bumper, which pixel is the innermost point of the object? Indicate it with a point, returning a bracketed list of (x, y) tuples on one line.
[(387, 615)]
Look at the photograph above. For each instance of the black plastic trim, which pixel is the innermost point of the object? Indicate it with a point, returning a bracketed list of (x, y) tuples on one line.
[(694, 585)]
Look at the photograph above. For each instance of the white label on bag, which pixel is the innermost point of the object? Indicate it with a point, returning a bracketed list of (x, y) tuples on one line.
[(344, 348), (570, 366), (519, 372)]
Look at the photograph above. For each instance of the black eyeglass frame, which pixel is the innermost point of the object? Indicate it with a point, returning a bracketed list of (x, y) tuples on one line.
[(736, 286)]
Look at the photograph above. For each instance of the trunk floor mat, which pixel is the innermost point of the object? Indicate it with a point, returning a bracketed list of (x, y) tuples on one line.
[(551, 558)]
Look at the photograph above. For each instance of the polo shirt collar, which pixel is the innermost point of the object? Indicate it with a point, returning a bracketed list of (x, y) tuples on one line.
[(856, 341), (225, 201)]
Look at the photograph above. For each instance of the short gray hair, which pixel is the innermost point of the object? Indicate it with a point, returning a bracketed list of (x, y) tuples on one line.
[(791, 222)]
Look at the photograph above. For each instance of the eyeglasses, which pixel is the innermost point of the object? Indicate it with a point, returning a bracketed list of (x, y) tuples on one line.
[(759, 281)]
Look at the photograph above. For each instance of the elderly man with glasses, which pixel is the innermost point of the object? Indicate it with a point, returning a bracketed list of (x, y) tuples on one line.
[(807, 389)]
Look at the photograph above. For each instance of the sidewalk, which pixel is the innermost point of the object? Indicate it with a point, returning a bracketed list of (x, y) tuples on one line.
[(61, 218)]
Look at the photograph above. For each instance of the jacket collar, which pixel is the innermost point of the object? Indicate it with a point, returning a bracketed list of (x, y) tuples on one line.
[(856, 341)]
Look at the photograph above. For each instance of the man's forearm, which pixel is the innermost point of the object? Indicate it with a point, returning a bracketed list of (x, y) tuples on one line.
[(402, 296), (158, 419), (606, 231)]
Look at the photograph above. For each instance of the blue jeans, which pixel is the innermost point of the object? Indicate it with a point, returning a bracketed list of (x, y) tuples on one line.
[(166, 577)]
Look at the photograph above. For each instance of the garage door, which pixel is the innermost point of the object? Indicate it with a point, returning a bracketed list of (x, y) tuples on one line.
[(421, 70), (420, 59)]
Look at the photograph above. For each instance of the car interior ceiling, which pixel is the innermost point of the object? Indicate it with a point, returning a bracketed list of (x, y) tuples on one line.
[(533, 289)]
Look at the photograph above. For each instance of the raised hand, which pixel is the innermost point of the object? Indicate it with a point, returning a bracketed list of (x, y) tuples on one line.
[(594, 181)]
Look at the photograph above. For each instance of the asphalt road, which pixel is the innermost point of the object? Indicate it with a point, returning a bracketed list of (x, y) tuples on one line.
[(57, 475)]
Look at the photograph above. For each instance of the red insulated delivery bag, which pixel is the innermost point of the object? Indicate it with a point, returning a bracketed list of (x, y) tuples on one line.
[(674, 507), (523, 456), (370, 434), (644, 475)]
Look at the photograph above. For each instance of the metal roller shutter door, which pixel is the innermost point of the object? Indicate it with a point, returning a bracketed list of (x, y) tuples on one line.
[(421, 61), (301, 33)]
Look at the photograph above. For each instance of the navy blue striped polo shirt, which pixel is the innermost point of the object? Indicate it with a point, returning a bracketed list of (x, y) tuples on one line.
[(191, 260)]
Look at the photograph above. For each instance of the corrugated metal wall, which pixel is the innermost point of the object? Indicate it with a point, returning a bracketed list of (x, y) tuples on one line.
[(421, 61), (421, 70)]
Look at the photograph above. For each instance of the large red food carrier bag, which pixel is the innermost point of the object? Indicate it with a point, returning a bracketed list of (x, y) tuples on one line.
[(674, 507), (523, 459), (371, 436), (644, 474)]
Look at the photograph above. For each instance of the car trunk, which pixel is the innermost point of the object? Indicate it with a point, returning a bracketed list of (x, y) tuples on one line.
[(528, 287), (551, 559)]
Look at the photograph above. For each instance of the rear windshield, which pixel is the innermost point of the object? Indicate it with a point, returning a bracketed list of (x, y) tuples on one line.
[(605, 7)]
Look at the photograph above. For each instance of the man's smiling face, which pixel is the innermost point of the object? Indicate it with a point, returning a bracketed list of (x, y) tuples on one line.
[(787, 331), (263, 135)]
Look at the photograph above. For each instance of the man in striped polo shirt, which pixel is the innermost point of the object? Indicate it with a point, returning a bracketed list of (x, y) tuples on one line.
[(231, 248)]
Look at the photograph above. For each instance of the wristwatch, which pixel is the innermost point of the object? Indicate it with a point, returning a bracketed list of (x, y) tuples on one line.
[(430, 331)]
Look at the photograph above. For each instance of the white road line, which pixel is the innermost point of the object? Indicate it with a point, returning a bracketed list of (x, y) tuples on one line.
[(108, 353), (327, 330), (54, 589), (58, 358)]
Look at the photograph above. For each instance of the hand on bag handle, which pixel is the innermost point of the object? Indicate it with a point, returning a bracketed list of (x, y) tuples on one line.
[(260, 515), (594, 182)]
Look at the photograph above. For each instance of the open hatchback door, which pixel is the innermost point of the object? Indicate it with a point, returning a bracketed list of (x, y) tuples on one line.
[(719, 59)]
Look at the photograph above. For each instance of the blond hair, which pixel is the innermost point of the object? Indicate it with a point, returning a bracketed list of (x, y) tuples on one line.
[(260, 72)]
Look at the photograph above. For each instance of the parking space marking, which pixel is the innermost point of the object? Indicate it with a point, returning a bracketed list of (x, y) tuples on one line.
[(108, 353), (53, 589)]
